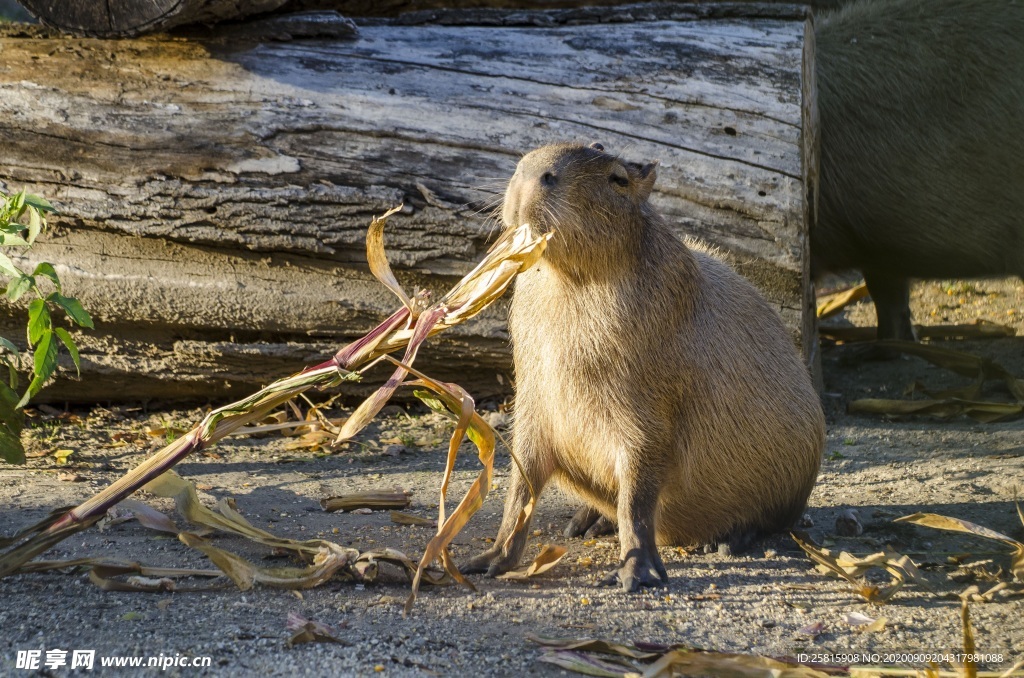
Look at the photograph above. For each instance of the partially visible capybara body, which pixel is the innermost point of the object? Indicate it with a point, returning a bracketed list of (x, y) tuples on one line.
[(922, 145), (651, 379)]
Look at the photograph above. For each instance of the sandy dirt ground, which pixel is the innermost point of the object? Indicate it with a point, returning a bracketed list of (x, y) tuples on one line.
[(769, 601)]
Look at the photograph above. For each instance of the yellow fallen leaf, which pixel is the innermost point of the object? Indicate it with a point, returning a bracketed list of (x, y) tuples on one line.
[(547, 558)]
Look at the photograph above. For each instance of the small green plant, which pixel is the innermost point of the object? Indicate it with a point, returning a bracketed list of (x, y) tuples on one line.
[(22, 219)]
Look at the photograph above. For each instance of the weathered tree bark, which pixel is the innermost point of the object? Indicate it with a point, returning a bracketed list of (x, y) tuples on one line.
[(115, 18), (130, 18), (215, 194), (364, 8)]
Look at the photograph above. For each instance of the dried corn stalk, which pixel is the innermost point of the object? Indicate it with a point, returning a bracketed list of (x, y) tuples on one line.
[(407, 328)]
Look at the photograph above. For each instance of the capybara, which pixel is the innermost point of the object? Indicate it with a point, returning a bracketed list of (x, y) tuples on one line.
[(651, 380), (921, 107)]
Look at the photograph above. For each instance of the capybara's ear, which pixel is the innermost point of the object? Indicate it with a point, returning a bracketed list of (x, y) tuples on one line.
[(645, 178), (597, 146)]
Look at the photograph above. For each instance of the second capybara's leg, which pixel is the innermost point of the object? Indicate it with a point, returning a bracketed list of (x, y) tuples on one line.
[(498, 559), (891, 295), (640, 564)]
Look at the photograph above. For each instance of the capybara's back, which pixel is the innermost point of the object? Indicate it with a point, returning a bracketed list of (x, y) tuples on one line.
[(751, 430), (922, 143)]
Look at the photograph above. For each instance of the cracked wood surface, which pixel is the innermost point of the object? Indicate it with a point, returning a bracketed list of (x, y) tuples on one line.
[(219, 190), (112, 18)]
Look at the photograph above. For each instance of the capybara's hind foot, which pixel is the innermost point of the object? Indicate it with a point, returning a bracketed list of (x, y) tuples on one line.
[(736, 543), (641, 568), (491, 562), (589, 522), (601, 527)]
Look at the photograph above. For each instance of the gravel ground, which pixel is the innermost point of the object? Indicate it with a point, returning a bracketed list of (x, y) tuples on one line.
[(764, 602)]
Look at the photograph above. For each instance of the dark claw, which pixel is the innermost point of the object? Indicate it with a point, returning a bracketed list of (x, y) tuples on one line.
[(638, 570)]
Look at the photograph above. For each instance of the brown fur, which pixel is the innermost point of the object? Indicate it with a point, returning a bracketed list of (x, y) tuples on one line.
[(651, 380), (922, 152)]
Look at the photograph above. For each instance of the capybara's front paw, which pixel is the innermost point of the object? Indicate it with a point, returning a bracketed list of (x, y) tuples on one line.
[(640, 568), (492, 562)]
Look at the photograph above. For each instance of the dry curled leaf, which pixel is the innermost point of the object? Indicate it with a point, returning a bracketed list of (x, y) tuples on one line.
[(1000, 592), (830, 304), (149, 516), (966, 364), (987, 412), (852, 569), (378, 260), (452, 401), (812, 630), (580, 662), (940, 522), (594, 645), (864, 623), (978, 329), (694, 663), (548, 557)]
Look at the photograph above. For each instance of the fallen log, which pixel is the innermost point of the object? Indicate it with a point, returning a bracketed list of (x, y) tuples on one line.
[(215, 191), (121, 18), (130, 18)]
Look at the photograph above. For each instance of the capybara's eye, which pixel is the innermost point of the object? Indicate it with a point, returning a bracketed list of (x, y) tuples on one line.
[(619, 180)]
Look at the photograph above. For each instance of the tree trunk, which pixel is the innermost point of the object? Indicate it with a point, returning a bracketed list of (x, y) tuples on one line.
[(215, 193)]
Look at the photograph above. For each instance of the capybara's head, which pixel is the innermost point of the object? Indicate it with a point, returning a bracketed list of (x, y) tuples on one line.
[(595, 202)]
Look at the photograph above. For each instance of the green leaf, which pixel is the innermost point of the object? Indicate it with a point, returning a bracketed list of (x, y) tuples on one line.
[(73, 308), (18, 202), (65, 337), (11, 449), (41, 204), (8, 267), (44, 357), (47, 270), (12, 418), (9, 397), (20, 285), (35, 224), (44, 362), (38, 320), (27, 395), (9, 346), (8, 239)]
